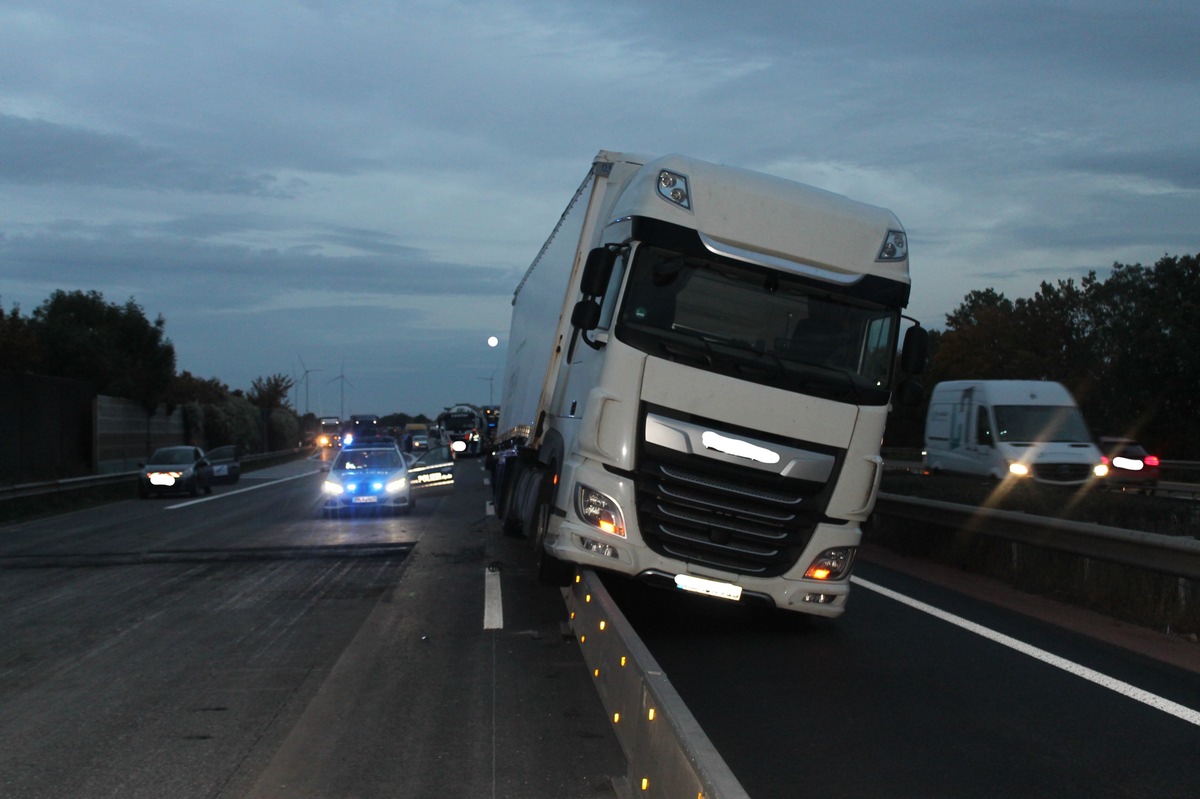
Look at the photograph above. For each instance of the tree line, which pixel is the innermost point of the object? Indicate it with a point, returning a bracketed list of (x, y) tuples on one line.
[(1126, 346), (119, 352)]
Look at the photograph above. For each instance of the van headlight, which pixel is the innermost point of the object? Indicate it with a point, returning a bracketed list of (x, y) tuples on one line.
[(1018, 469), (599, 510)]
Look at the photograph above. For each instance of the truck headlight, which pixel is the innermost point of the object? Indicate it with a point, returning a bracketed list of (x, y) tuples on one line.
[(599, 510), (832, 564)]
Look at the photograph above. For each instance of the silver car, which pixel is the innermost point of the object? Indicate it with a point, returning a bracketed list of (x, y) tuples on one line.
[(175, 469)]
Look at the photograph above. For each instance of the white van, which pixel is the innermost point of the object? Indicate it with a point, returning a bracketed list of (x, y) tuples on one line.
[(1009, 428)]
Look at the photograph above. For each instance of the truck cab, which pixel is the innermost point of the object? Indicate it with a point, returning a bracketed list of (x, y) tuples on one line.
[(709, 410)]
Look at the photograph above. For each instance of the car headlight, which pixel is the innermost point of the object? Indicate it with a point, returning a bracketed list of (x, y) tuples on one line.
[(332, 487), (599, 510), (397, 485)]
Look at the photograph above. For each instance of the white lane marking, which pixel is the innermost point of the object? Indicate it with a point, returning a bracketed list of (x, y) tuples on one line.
[(1103, 680), (224, 494), (493, 606)]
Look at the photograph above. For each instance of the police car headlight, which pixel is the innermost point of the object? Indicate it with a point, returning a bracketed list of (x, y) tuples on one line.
[(332, 487), (396, 486)]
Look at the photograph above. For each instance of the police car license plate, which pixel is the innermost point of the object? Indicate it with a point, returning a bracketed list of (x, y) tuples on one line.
[(366, 499)]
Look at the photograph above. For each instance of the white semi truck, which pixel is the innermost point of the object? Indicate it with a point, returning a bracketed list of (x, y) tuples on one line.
[(700, 365)]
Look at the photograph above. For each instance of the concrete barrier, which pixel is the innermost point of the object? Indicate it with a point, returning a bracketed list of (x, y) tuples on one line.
[(667, 753)]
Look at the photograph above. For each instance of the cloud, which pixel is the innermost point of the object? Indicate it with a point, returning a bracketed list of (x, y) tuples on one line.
[(1175, 168), (238, 275), (356, 179), (37, 152)]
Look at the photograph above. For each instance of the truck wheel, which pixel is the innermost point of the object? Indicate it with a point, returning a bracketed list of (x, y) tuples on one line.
[(510, 512), (550, 570), (510, 522)]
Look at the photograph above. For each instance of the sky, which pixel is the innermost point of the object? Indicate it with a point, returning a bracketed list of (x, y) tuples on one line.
[(348, 192)]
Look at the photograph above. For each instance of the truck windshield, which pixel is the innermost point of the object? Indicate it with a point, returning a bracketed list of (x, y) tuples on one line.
[(1041, 423), (757, 324)]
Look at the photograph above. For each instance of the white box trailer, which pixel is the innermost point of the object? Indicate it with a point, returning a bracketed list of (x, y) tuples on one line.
[(1007, 429), (700, 365)]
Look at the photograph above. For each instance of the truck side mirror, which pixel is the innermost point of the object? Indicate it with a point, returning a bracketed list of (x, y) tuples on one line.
[(915, 351), (596, 272), (586, 315)]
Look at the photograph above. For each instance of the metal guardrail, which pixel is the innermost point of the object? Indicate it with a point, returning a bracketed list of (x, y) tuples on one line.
[(104, 480), (1178, 556), (666, 752)]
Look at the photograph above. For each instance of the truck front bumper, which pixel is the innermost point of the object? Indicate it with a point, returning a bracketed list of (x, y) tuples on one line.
[(570, 537)]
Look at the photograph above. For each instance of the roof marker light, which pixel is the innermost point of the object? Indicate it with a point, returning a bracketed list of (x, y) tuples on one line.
[(895, 247), (673, 187)]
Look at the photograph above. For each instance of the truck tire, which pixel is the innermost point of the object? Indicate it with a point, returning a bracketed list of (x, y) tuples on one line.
[(550, 570), (509, 508)]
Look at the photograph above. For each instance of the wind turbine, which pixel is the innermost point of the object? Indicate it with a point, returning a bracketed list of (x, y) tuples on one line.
[(304, 377), (491, 380), (342, 379)]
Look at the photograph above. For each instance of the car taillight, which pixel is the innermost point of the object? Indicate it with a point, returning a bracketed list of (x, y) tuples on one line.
[(1151, 460), (1104, 459)]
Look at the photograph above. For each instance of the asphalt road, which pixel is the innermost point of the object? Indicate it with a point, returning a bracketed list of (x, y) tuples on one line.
[(923, 691), (243, 646)]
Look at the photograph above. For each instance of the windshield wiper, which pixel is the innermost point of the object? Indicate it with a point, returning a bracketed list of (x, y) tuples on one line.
[(685, 349), (743, 366)]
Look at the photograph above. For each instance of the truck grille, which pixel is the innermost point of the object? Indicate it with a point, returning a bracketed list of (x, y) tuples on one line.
[(1062, 472), (727, 517)]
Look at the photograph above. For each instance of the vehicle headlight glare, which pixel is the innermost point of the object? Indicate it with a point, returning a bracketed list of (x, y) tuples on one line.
[(600, 511), (1100, 470), (396, 486), (1018, 469), (332, 487)]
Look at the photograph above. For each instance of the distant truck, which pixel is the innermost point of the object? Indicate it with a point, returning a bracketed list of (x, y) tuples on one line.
[(463, 424), (360, 425), (1010, 429), (329, 431), (700, 365)]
